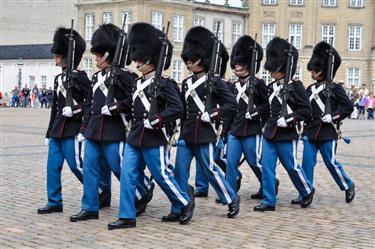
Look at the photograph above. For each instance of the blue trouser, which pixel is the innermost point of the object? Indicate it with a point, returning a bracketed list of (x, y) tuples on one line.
[(68, 149), (287, 153), (250, 146), (156, 161), (25, 101), (95, 152), (204, 154), (328, 151), (201, 181)]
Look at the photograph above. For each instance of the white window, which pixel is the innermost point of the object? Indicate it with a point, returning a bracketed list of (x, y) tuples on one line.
[(178, 28), (198, 21), (268, 33), (221, 29), (31, 80), (329, 3), (157, 20), (88, 66), (355, 37), (354, 76), (356, 3), (129, 20), (298, 74), (328, 34), (177, 70), (43, 80), (266, 76), (295, 35), (236, 32), (107, 17), (295, 2), (269, 2), (89, 26)]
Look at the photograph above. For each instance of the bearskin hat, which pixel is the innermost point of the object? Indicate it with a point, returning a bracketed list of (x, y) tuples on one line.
[(242, 52), (198, 44), (277, 55), (145, 44), (61, 44), (105, 39), (224, 60), (319, 59)]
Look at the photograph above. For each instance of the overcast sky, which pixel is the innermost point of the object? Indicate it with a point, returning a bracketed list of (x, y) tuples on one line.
[(236, 3)]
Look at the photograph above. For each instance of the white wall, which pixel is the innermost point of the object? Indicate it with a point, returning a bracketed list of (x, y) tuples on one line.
[(37, 68)]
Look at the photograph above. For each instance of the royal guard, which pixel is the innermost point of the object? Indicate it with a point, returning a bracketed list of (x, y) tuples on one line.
[(104, 126), (156, 102), (289, 105), (207, 100), (330, 105), (66, 118)]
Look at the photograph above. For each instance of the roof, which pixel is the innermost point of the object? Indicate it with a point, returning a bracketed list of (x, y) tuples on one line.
[(30, 51)]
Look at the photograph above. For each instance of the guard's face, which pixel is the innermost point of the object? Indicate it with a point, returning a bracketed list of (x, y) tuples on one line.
[(101, 62), (194, 66), (59, 60), (241, 71), (277, 75), (316, 75)]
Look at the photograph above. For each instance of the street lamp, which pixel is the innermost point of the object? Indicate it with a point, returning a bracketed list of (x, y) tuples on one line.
[(19, 65)]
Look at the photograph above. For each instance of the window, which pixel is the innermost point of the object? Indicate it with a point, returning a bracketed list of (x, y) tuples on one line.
[(298, 74), (88, 66), (221, 29), (157, 20), (89, 26), (43, 80), (329, 3), (178, 28), (31, 80), (198, 21), (356, 3), (355, 35), (107, 17), (177, 70), (328, 34), (295, 35), (269, 2), (268, 33), (295, 2), (129, 19), (236, 32), (266, 76), (354, 76)]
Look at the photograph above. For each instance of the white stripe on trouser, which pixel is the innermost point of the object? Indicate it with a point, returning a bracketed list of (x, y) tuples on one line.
[(146, 183), (216, 175), (121, 152), (303, 180), (76, 155), (166, 178), (333, 160), (258, 145)]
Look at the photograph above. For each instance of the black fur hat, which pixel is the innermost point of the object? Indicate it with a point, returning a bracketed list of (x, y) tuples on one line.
[(277, 55), (105, 39), (242, 52), (198, 44), (145, 44), (319, 59), (61, 44)]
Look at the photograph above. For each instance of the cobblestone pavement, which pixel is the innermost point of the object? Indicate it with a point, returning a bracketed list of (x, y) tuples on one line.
[(328, 223)]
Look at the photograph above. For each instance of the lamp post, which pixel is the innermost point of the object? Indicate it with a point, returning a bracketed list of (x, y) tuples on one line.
[(19, 65)]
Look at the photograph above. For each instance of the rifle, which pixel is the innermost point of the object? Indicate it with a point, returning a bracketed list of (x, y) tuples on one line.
[(115, 65), (214, 67), (288, 76), (154, 89), (328, 87), (69, 69), (252, 80)]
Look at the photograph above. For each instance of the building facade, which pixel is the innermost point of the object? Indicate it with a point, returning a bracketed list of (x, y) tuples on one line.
[(347, 24), (181, 14)]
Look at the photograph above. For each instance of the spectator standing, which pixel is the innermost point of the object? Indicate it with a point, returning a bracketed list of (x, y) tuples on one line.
[(34, 96), (15, 97), (43, 97), (353, 96), (49, 96), (26, 95), (363, 96), (370, 107)]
